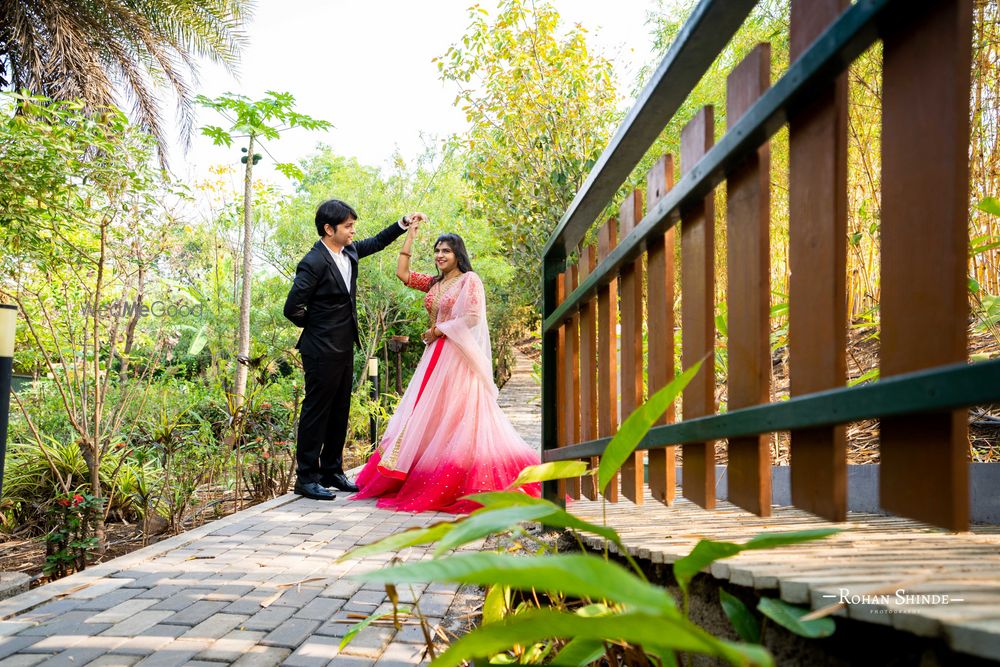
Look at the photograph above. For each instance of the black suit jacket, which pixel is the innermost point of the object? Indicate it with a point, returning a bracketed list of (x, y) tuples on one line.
[(322, 304)]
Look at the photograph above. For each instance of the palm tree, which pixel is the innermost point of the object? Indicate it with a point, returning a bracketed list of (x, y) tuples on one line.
[(109, 51)]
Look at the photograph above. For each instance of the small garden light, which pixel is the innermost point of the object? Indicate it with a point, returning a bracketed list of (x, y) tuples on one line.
[(373, 395), (8, 323)]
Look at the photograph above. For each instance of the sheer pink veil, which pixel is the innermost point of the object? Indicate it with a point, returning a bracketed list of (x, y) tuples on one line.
[(467, 329)]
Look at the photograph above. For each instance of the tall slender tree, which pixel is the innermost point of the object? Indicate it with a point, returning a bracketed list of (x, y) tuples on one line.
[(118, 52), (254, 121)]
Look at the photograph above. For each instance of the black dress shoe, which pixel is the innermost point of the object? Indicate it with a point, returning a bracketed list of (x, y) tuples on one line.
[(313, 490), (339, 481)]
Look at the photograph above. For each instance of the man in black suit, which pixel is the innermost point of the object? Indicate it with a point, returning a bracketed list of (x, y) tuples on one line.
[(323, 302)]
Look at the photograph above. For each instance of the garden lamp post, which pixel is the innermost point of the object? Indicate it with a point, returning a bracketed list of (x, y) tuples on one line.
[(373, 395), (8, 322), (398, 345)]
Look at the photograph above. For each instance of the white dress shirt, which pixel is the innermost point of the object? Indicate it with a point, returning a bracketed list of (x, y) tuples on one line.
[(344, 264)]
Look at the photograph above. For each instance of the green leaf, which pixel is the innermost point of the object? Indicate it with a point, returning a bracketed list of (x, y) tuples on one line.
[(990, 205), (485, 522), (579, 652), (218, 136), (358, 627), (983, 247), (498, 499), (743, 620), (199, 341), (576, 575), (707, 552), (870, 374), (974, 286), (290, 170), (549, 471), (789, 617), (397, 541), (596, 609), (785, 538), (495, 604), (557, 517), (676, 634), (638, 424)]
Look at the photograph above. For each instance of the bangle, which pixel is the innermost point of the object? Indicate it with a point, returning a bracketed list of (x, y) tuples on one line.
[(405, 253)]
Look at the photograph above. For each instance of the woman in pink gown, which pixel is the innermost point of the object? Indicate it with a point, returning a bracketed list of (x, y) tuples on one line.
[(448, 437)]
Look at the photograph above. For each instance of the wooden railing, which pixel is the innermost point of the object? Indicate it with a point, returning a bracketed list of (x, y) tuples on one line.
[(926, 384)]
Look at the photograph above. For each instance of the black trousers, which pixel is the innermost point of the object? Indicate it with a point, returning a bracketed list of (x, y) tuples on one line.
[(319, 451)]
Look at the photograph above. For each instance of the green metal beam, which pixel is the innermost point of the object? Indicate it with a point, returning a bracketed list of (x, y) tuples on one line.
[(703, 36), (934, 390), (848, 37)]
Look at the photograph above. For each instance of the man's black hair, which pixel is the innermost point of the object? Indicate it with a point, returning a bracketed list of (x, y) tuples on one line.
[(333, 212)]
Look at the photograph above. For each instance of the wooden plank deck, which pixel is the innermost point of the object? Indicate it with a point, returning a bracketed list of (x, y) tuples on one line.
[(873, 555)]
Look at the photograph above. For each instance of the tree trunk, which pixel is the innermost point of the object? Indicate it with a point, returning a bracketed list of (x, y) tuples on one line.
[(244, 339), (134, 320)]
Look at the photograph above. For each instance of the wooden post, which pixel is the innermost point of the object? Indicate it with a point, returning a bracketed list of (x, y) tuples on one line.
[(660, 311), (571, 380), (748, 289), (629, 215), (607, 349), (817, 313), (562, 396), (588, 369), (698, 312), (925, 187)]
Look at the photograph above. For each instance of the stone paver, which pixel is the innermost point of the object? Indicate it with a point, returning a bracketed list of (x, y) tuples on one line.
[(259, 588), (194, 604)]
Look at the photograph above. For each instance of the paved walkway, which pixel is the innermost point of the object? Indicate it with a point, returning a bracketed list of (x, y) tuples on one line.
[(260, 587)]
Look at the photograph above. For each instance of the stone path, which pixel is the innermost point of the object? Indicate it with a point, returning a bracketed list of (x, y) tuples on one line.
[(521, 399), (260, 587)]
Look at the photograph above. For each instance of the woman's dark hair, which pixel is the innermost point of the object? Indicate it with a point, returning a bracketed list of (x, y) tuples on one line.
[(333, 212), (457, 246)]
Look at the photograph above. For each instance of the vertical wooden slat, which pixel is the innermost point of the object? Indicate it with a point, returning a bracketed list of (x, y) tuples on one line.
[(925, 179), (561, 373), (817, 318), (629, 215), (571, 370), (607, 349), (588, 368), (697, 312), (660, 324), (748, 289)]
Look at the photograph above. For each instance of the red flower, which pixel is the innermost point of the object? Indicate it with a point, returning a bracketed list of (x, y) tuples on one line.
[(77, 499), (266, 455), (63, 501)]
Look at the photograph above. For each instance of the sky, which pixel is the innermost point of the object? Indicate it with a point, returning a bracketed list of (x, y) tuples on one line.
[(367, 68)]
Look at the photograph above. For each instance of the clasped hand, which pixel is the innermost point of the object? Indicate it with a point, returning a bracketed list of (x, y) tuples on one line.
[(413, 219), (430, 335)]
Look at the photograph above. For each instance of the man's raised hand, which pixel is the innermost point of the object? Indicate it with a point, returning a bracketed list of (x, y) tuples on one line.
[(415, 217)]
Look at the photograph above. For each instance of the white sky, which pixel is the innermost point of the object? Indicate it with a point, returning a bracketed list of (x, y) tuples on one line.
[(366, 67)]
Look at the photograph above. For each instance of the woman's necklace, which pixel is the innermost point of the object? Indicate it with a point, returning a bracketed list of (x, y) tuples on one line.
[(442, 287)]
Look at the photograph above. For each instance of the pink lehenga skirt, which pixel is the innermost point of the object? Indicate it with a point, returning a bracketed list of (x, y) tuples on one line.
[(447, 439)]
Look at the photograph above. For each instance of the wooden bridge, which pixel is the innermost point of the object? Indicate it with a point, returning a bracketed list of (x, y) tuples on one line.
[(593, 376)]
